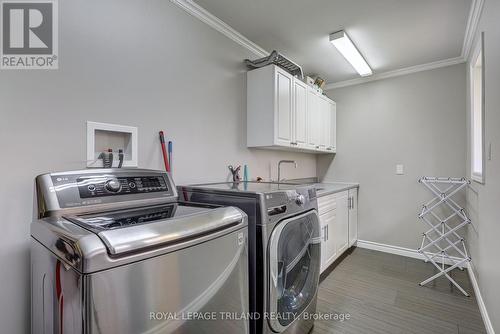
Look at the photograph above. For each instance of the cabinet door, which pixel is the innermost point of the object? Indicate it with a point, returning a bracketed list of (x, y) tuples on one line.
[(320, 140), (328, 241), (299, 133), (333, 126), (324, 250), (353, 216), (317, 121), (283, 110), (331, 242), (326, 123), (312, 118), (342, 222)]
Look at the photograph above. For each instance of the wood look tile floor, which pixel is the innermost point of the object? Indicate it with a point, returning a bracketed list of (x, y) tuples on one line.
[(381, 294)]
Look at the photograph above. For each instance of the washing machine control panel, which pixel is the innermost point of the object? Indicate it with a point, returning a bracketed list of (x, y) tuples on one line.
[(91, 186), (112, 187), (289, 202)]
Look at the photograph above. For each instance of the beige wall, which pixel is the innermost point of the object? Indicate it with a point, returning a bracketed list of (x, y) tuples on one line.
[(483, 199), (417, 120), (141, 63)]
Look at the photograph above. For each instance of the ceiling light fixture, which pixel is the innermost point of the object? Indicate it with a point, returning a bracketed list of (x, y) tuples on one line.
[(347, 48)]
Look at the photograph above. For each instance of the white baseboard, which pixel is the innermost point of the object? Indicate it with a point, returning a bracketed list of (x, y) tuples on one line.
[(480, 301), (408, 252)]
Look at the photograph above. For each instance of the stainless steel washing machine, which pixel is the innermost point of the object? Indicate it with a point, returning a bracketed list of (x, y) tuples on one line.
[(284, 249), (115, 252)]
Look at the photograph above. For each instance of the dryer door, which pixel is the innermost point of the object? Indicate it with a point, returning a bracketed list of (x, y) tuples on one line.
[(294, 265)]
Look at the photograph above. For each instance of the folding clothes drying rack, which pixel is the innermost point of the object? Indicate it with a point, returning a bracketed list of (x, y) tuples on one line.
[(442, 237)]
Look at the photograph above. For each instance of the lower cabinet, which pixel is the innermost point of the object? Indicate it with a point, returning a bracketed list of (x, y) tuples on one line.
[(328, 240), (341, 227), (338, 219), (353, 216)]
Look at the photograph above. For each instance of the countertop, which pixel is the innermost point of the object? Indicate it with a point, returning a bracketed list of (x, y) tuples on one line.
[(325, 188), (328, 188)]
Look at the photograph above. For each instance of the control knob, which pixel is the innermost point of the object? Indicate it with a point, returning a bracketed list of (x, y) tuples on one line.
[(113, 185), (300, 199)]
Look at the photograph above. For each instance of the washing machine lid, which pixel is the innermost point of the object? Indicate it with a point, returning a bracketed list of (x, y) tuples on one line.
[(131, 230), (117, 219)]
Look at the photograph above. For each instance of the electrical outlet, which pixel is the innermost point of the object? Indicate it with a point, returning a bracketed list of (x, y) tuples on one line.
[(400, 169)]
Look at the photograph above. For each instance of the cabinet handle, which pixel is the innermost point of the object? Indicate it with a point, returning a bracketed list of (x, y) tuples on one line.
[(293, 143), (327, 236), (349, 205), (352, 201), (324, 232)]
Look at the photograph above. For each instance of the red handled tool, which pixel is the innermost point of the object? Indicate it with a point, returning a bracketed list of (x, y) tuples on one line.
[(164, 151)]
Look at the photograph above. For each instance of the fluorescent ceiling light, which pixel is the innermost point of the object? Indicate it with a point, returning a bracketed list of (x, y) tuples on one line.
[(344, 44)]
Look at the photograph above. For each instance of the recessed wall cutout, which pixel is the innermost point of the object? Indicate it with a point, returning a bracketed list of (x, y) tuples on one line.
[(103, 136)]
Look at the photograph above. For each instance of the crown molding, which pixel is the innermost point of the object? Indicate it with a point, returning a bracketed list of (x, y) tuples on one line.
[(472, 22), (476, 9), (470, 32), (397, 73), (213, 21)]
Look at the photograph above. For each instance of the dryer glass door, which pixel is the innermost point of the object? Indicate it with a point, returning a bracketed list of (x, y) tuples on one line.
[(294, 265)]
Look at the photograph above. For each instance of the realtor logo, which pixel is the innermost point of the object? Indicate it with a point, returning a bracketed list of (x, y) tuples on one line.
[(29, 34)]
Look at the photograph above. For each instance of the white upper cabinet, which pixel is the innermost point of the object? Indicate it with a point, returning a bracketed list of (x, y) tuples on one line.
[(299, 127), (284, 113), (314, 117), (321, 122), (333, 127), (325, 123), (329, 126), (283, 97)]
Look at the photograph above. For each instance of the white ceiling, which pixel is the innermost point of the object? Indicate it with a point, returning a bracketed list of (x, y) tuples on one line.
[(391, 34)]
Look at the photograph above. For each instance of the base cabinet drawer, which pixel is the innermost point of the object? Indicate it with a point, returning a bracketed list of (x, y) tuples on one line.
[(327, 203)]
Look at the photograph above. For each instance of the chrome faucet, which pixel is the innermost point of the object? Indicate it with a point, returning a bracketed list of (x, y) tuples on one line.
[(286, 162)]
